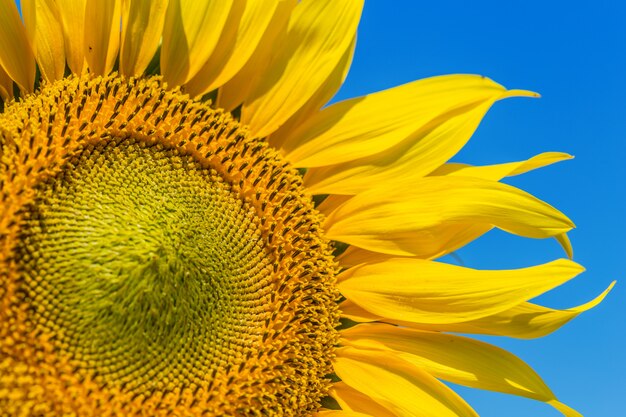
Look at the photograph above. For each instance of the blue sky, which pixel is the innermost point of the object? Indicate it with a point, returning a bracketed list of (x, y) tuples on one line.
[(574, 54)]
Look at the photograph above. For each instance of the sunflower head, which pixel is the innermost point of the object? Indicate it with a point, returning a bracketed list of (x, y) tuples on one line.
[(164, 255), (187, 229)]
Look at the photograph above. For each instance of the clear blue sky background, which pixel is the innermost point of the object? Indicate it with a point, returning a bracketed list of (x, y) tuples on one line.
[(574, 54)]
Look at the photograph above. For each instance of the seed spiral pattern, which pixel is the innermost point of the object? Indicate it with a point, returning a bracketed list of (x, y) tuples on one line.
[(159, 261), (171, 262)]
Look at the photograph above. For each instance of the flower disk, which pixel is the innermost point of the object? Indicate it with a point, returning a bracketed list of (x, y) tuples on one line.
[(159, 261)]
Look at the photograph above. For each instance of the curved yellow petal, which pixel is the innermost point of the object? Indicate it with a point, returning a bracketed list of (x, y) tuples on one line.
[(355, 312), (238, 89), (407, 391), (242, 35), (45, 31), (191, 32), (365, 126), (142, 25), (318, 35), (328, 89), (439, 241), (565, 243), (453, 358), (499, 171), (433, 243), (103, 20), (564, 409), (423, 291), (73, 20), (523, 321), (331, 202), (395, 221), (16, 55), (353, 400), (354, 256)]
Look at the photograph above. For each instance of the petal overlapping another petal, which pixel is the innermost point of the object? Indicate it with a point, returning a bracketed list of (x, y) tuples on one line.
[(431, 292), (407, 391), (419, 209), (318, 36), (42, 20), (523, 321), (142, 25)]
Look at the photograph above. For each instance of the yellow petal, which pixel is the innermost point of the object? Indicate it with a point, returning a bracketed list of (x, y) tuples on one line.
[(453, 358), (6, 85), (565, 244), (103, 20), (354, 256), (45, 31), (398, 385), (423, 291), (499, 171), (142, 26), (317, 101), (190, 35), (319, 33), (331, 202), (238, 89), (16, 55), (431, 244), (351, 310), (73, 21), (353, 400), (564, 409), (396, 220), (368, 125), (523, 321), (241, 37), (421, 149)]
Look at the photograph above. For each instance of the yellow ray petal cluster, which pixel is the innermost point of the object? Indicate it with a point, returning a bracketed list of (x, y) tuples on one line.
[(234, 94)]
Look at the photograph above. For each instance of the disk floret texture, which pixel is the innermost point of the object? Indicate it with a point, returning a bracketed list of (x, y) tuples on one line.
[(155, 259)]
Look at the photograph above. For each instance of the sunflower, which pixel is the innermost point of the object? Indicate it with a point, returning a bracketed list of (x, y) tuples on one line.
[(187, 230)]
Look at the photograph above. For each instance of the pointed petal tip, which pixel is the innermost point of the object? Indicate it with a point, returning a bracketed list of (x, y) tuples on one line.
[(564, 409), (564, 156), (596, 301), (568, 262), (606, 292), (520, 93), (602, 295), (565, 243)]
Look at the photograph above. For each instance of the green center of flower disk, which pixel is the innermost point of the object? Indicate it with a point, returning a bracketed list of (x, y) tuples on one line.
[(146, 264)]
